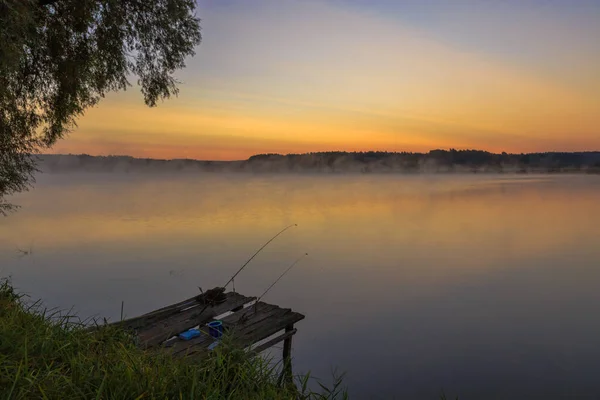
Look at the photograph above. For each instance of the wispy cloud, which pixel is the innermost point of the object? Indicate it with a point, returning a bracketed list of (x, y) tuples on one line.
[(321, 75)]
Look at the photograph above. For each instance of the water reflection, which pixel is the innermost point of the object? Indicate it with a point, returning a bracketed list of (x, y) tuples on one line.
[(485, 286)]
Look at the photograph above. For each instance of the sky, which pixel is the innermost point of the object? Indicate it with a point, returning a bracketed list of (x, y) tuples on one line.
[(294, 76)]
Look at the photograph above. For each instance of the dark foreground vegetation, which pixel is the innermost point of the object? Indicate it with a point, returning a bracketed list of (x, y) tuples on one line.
[(435, 161), (45, 355)]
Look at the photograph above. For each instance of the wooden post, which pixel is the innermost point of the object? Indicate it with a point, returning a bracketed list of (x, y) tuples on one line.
[(286, 372)]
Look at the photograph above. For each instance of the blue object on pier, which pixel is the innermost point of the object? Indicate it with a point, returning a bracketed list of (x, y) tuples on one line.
[(190, 334), (215, 329)]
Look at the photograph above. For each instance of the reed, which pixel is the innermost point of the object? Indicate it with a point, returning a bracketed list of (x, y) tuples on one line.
[(49, 355)]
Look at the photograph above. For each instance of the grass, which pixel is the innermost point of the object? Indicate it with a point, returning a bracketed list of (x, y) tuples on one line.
[(48, 355)]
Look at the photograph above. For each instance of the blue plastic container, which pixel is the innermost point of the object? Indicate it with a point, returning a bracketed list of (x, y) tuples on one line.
[(190, 334), (215, 329)]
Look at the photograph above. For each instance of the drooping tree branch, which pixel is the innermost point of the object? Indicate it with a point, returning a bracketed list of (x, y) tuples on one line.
[(58, 61)]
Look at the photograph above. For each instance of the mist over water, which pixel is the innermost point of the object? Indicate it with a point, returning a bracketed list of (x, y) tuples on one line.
[(483, 286)]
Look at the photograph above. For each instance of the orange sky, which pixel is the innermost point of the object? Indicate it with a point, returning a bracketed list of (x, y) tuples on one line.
[(288, 76)]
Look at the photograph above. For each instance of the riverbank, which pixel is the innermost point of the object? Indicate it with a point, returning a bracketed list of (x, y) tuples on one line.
[(48, 355)]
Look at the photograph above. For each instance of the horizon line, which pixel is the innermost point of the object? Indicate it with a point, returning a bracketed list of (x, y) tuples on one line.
[(321, 152)]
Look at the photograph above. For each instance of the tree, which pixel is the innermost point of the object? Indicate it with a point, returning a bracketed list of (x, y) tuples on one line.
[(60, 57)]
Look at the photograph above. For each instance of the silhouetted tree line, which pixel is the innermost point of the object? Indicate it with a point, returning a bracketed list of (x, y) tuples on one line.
[(439, 160), (338, 161)]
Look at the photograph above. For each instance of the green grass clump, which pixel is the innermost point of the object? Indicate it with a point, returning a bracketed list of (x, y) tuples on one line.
[(51, 356)]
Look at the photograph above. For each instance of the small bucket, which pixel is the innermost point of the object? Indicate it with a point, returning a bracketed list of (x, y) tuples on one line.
[(215, 329)]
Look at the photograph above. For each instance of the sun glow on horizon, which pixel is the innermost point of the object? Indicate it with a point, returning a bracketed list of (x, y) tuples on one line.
[(293, 77)]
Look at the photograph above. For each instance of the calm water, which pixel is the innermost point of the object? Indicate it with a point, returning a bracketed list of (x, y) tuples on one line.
[(485, 286)]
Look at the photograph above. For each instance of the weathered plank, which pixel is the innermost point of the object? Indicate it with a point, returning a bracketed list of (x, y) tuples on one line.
[(247, 326), (182, 347), (272, 342), (199, 348), (138, 322), (160, 330), (259, 331), (253, 321), (153, 316), (229, 323), (256, 310), (179, 346)]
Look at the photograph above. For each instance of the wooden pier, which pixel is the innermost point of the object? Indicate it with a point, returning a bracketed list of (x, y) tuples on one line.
[(248, 321)]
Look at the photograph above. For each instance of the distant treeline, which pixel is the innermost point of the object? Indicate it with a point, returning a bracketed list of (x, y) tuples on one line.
[(435, 161), (338, 161)]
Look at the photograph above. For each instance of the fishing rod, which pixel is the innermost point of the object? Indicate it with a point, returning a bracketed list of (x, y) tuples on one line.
[(216, 292), (258, 251), (244, 317), (277, 280)]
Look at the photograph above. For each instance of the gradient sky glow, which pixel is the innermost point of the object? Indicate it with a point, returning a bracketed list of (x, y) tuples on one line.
[(310, 75)]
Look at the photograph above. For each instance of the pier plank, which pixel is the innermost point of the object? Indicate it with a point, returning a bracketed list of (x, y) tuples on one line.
[(248, 322)]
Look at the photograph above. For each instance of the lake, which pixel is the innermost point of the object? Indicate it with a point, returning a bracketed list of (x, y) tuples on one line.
[(484, 286)]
